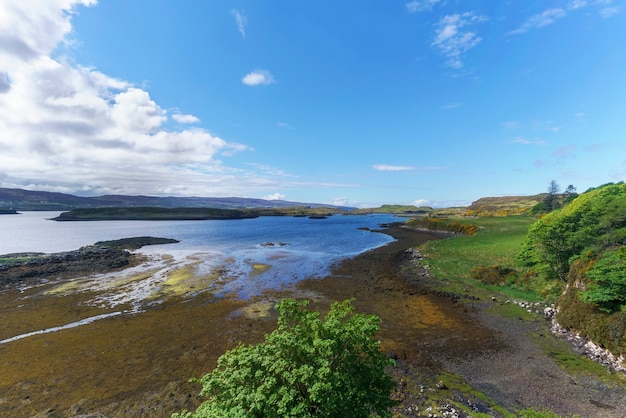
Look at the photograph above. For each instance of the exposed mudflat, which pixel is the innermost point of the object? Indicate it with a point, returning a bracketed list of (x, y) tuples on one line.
[(137, 363)]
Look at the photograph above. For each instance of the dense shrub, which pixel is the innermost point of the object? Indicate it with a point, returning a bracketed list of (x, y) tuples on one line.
[(586, 318), (308, 367), (492, 275)]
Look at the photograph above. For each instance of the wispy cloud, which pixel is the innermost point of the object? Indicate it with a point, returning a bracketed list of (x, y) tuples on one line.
[(525, 141), (387, 167), (607, 12), (453, 39), (545, 18), (550, 16), (420, 5), (451, 106), (258, 77), (577, 4), (283, 125), (511, 124), (241, 20)]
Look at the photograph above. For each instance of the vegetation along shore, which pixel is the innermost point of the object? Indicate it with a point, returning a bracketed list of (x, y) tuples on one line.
[(483, 315)]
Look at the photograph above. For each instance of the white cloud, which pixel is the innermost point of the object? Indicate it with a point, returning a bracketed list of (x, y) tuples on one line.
[(420, 202), (341, 201), (420, 5), (453, 40), (275, 196), (550, 16), (241, 20), (577, 4), (74, 128), (524, 141), (452, 106), (258, 77), (386, 167), (545, 18), (180, 118)]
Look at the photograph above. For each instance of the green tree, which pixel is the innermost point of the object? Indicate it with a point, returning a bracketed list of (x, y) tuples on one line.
[(608, 287), (308, 367), (593, 221)]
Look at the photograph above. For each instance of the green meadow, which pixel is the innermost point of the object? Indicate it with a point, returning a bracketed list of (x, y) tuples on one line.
[(497, 242)]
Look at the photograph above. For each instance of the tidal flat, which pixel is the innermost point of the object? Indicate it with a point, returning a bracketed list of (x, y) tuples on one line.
[(180, 319)]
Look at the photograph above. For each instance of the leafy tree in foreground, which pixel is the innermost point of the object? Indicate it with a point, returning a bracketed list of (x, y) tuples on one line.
[(308, 367)]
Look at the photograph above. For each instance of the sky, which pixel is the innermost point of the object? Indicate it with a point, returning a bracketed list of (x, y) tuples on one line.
[(348, 102)]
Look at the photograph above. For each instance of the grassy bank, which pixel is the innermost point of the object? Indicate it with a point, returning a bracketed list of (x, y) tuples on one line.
[(496, 243)]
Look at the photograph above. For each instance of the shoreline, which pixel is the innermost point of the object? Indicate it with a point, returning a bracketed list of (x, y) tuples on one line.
[(432, 332), (129, 365)]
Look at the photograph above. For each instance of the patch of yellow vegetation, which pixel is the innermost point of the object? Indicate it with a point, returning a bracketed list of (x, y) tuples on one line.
[(421, 312), (64, 288), (185, 280), (258, 268), (258, 310)]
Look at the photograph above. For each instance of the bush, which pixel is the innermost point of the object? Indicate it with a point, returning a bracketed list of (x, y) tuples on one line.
[(308, 367), (492, 275)]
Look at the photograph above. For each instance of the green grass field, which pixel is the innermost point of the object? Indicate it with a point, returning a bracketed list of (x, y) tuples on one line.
[(497, 243)]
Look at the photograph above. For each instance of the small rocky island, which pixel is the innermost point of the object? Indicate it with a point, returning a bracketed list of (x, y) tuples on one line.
[(101, 257)]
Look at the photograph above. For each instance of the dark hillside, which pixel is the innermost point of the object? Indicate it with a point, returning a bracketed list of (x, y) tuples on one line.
[(18, 199)]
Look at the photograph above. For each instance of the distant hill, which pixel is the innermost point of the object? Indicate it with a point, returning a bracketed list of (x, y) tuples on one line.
[(398, 209), (504, 205), (19, 199)]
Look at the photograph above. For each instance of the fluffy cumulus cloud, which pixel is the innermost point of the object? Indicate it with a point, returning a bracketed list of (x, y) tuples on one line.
[(420, 202), (64, 125), (454, 36), (258, 77), (275, 196)]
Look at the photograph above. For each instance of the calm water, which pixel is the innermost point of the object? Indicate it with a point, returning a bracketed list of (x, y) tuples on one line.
[(310, 247)]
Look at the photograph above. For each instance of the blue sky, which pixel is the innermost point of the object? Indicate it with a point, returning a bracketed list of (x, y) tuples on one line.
[(352, 102)]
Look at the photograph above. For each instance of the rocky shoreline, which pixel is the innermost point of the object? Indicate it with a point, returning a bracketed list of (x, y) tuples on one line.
[(84, 261)]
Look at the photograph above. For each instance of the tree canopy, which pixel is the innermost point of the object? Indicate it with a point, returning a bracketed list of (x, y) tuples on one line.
[(308, 367), (592, 225)]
